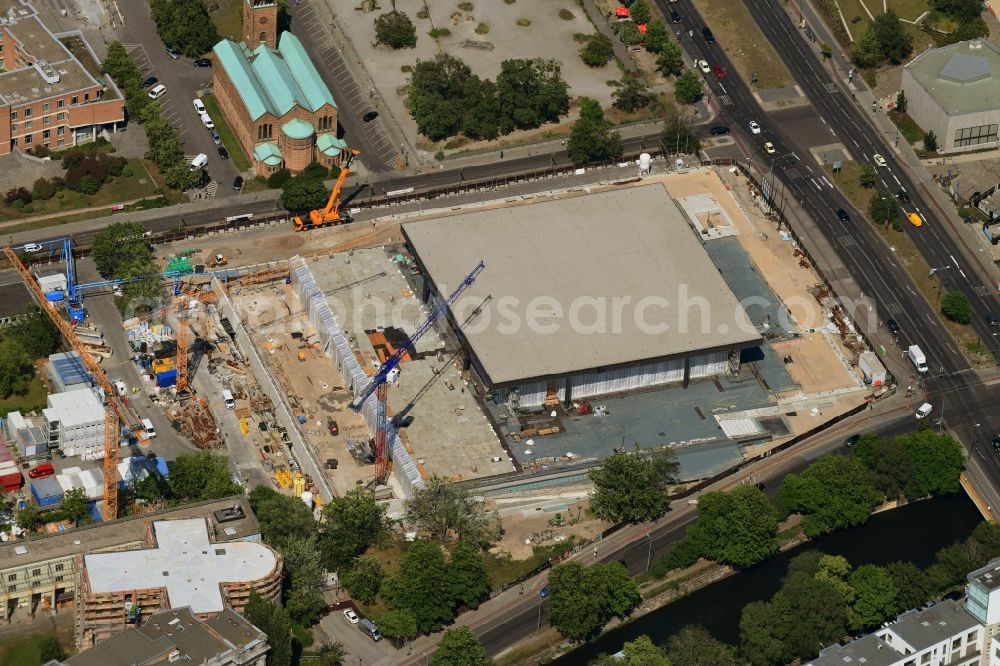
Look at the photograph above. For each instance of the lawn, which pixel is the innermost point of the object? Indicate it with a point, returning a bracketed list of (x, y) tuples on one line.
[(26, 650), (33, 399), (136, 186), (744, 43), (503, 569), (228, 18), (228, 138), (907, 127)]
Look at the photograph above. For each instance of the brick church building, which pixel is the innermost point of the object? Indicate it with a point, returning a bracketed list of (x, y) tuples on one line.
[(273, 98)]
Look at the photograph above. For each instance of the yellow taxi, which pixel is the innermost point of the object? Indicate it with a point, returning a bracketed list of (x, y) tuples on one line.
[(915, 219)]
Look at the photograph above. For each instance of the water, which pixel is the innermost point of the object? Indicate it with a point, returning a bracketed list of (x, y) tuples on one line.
[(914, 533)]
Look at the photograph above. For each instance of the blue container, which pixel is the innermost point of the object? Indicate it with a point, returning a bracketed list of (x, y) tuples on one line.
[(95, 513), (167, 378), (47, 491), (76, 311), (161, 467), (54, 296)]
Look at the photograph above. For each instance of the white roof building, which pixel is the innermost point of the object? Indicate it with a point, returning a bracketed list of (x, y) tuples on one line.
[(75, 423)]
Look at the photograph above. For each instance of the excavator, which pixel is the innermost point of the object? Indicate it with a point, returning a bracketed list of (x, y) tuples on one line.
[(331, 214)]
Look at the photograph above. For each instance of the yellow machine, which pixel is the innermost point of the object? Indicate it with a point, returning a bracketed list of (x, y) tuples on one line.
[(330, 214)]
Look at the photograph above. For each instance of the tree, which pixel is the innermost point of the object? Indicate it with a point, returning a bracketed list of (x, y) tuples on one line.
[(592, 139), (584, 599), (883, 209), (930, 141), (43, 189), (694, 646), (184, 25), (656, 36), (912, 585), (901, 102), (817, 614), (867, 176), (201, 476), (316, 170), (273, 620), (279, 178), (633, 486), (834, 492), (282, 518), (395, 30), (738, 528), (50, 649), (35, 333), (679, 135), (469, 581), (764, 629), (76, 505), (628, 33), (354, 522), (421, 586), (835, 570), (874, 597), (894, 42), (121, 244), (29, 517), (631, 94), (687, 87), (399, 625), (305, 577), (331, 654), (16, 369), (364, 579), (640, 652), (597, 51), (459, 647), (670, 62), (956, 307), (640, 12), (446, 512), (531, 92), (120, 66), (304, 193)]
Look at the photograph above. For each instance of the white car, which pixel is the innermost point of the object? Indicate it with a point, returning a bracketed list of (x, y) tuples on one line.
[(206, 120), (924, 410), (351, 616), (32, 247), (754, 127), (878, 159), (703, 66), (769, 148), (199, 106), (157, 91)]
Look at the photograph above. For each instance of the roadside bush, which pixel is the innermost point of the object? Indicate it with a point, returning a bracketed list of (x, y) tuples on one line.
[(956, 307), (640, 12), (127, 171), (17, 204), (316, 170), (43, 189), (278, 179), (88, 185), (17, 194), (930, 141), (629, 33)]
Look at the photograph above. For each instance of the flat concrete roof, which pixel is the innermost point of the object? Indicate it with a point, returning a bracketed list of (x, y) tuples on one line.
[(870, 651), (131, 530), (962, 78), (923, 628), (554, 262), (185, 562)]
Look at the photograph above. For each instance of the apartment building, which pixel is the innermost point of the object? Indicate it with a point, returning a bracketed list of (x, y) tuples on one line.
[(47, 96)]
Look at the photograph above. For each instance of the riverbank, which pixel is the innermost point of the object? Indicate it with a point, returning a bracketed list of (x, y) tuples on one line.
[(695, 587)]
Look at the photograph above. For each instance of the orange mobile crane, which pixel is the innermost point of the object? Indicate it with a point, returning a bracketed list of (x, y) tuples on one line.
[(330, 214), (120, 412)]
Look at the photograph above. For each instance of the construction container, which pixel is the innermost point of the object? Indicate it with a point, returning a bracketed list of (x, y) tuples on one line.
[(162, 365), (66, 369), (46, 492), (872, 368), (167, 378)]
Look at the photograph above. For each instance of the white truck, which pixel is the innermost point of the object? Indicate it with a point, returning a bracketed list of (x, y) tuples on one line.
[(917, 357)]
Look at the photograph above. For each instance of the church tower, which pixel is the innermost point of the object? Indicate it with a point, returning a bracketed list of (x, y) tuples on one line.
[(260, 23)]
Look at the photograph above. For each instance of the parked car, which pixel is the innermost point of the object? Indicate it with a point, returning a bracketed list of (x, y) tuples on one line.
[(719, 71), (351, 616), (915, 219), (174, 55), (238, 183), (202, 62), (150, 82), (32, 247), (852, 440), (43, 470), (199, 106), (216, 139), (924, 410), (903, 196), (878, 160), (703, 66), (674, 16), (206, 120), (754, 127), (707, 34), (370, 116), (996, 443), (842, 215), (223, 153), (893, 326), (769, 148), (719, 130), (158, 91), (991, 319)]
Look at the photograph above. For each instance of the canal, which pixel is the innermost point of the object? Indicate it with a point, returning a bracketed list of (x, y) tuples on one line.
[(912, 533)]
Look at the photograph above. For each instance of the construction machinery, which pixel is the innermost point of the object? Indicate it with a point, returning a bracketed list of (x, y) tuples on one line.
[(331, 214), (378, 383), (120, 412)]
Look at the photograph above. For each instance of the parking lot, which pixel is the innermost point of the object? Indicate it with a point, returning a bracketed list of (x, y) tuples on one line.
[(184, 82), (360, 649)]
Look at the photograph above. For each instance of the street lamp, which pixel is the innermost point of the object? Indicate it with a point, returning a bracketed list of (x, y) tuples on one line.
[(939, 286)]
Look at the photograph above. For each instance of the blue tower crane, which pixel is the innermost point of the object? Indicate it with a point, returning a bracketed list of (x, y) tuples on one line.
[(378, 383)]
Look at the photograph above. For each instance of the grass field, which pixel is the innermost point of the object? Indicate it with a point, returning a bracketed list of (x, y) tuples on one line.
[(34, 398), (226, 132), (26, 650), (228, 18), (138, 185), (743, 42), (907, 127)]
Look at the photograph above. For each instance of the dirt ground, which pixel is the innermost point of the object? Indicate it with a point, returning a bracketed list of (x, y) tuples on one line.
[(527, 525)]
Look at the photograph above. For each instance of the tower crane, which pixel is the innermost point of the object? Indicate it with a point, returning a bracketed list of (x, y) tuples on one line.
[(330, 214), (119, 411), (378, 383)]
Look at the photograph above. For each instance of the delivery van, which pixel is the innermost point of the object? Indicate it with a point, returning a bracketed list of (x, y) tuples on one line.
[(148, 429), (227, 397)]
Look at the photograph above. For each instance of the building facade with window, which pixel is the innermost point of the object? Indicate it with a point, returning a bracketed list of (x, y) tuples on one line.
[(273, 98), (47, 95), (954, 91)]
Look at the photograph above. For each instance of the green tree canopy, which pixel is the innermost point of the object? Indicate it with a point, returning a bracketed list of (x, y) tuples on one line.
[(678, 134), (282, 518), (592, 139), (303, 193), (867, 176), (670, 62), (657, 36), (584, 599), (121, 245), (354, 522), (50, 649), (874, 597), (399, 625), (76, 505), (687, 87), (184, 25), (628, 33), (29, 517), (633, 486), (459, 647), (201, 476), (597, 51), (694, 646), (364, 579), (738, 527), (16, 369), (834, 492), (469, 581), (639, 12), (956, 307), (640, 652), (444, 511), (35, 333), (930, 141), (883, 209), (531, 92), (421, 586), (913, 588), (396, 30), (273, 620), (306, 577), (631, 94)]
